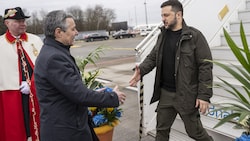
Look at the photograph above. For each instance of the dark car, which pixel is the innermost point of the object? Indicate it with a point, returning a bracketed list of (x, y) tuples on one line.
[(123, 34), (79, 37), (95, 36)]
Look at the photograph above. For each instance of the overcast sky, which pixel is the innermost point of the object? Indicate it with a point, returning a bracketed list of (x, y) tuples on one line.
[(132, 11)]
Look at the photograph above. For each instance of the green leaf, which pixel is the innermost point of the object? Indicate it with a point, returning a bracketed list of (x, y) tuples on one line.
[(227, 119), (237, 51), (89, 78), (236, 75), (240, 104), (244, 42), (243, 72), (236, 93)]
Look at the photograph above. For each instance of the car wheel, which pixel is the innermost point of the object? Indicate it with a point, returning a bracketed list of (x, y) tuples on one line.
[(91, 39), (121, 37), (106, 38)]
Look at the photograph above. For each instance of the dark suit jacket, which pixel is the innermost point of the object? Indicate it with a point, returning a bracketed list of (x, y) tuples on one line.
[(63, 98)]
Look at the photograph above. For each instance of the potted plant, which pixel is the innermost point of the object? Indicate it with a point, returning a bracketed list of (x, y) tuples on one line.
[(89, 77), (240, 103), (103, 119)]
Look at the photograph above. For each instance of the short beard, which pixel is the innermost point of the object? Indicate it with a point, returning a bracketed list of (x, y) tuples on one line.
[(173, 24)]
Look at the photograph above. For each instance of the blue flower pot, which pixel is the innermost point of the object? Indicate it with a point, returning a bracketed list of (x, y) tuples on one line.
[(243, 137)]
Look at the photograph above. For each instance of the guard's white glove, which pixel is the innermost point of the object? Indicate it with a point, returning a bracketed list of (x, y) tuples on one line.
[(25, 88)]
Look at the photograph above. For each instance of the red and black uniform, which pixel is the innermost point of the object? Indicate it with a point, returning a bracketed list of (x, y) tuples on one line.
[(19, 113)]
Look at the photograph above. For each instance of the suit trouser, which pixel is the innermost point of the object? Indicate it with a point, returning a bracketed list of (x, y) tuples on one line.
[(166, 114)]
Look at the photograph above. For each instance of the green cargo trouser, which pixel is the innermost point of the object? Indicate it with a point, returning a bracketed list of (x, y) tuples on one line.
[(166, 114)]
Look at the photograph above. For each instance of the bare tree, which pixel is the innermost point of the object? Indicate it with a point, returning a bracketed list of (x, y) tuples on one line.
[(110, 16), (3, 28), (77, 12), (35, 24), (99, 18)]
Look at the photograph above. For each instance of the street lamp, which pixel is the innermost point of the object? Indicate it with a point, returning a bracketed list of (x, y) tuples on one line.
[(135, 17), (146, 15)]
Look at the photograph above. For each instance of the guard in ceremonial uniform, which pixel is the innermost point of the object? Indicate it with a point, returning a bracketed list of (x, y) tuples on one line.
[(19, 111)]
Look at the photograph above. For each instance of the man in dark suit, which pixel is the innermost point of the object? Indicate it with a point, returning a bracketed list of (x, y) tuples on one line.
[(63, 98)]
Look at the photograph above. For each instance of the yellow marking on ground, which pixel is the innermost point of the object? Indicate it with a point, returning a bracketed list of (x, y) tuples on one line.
[(113, 48), (74, 46)]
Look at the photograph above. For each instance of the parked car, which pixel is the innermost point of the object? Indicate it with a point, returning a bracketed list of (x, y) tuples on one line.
[(123, 34), (145, 32), (95, 36), (79, 37)]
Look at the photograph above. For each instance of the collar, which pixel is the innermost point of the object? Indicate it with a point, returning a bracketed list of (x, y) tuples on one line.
[(53, 42), (10, 38)]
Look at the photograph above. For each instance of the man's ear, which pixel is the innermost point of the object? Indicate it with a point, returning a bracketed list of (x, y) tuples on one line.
[(179, 14), (58, 32), (6, 22)]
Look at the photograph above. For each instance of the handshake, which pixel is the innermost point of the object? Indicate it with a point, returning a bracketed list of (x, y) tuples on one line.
[(25, 88)]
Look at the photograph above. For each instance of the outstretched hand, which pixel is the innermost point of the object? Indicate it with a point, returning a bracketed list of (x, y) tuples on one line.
[(121, 95), (136, 77)]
